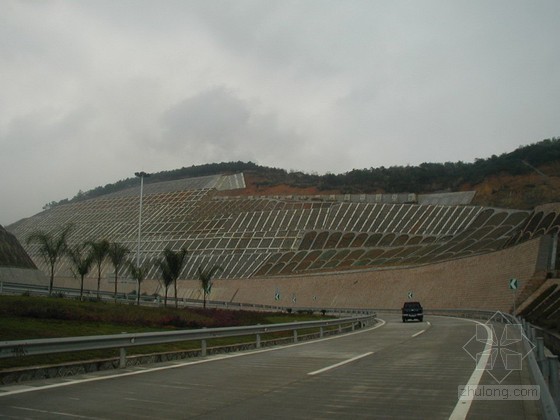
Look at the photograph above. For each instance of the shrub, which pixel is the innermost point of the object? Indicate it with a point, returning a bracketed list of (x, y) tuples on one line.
[(305, 312)]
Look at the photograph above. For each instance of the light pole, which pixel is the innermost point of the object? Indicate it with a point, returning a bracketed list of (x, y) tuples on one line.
[(140, 175)]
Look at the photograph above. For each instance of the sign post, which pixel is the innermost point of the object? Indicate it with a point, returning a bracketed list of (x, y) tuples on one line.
[(513, 286)]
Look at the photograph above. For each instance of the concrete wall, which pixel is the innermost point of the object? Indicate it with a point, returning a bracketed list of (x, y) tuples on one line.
[(479, 282), (23, 275)]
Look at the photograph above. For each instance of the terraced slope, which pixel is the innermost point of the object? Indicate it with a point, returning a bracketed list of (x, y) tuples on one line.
[(252, 236)]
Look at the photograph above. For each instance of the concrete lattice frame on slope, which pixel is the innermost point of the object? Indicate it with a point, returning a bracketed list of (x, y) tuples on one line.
[(268, 236)]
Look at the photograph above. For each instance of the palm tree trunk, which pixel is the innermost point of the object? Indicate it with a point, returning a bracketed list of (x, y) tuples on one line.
[(165, 300), (176, 302), (52, 280), (98, 280), (82, 288), (204, 302), (116, 276), (138, 297)]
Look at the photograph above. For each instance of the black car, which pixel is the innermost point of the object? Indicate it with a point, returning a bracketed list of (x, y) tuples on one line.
[(412, 310)]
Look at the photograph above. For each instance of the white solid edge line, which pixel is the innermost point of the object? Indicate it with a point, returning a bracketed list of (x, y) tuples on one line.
[(178, 365), (463, 405), (340, 364)]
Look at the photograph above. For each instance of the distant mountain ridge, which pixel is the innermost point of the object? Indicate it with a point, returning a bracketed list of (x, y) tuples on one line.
[(521, 179)]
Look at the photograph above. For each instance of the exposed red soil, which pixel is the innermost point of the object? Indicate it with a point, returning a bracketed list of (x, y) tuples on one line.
[(256, 185)]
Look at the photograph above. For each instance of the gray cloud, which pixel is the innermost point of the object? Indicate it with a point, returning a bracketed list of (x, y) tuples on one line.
[(217, 125), (95, 90), (215, 116)]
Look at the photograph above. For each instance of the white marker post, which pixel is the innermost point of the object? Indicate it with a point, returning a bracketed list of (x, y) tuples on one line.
[(514, 285)]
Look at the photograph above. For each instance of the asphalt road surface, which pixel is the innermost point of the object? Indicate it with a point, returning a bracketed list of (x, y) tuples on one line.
[(395, 370)]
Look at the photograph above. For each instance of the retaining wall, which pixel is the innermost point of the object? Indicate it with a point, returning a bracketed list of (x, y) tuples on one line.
[(23, 275), (478, 282)]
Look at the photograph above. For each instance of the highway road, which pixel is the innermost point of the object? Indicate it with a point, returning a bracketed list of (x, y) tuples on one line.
[(395, 370)]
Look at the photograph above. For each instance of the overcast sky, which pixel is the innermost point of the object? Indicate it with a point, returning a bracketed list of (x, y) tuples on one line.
[(91, 91)]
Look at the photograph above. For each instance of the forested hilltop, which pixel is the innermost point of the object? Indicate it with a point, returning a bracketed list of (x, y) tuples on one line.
[(522, 179)]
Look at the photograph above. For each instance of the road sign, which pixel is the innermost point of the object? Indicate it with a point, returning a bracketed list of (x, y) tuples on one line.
[(410, 294), (513, 284), (277, 295)]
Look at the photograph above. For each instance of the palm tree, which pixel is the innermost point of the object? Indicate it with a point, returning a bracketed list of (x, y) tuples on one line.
[(138, 274), (166, 277), (99, 251), (81, 262), (171, 265), (117, 255), (205, 277), (51, 248)]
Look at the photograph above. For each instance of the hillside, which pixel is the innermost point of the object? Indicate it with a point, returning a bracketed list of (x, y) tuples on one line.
[(12, 253), (511, 180)]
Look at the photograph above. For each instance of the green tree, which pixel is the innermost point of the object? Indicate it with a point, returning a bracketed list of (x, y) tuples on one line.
[(171, 265), (205, 277), (117, 254), (51, 248), (138, 274), (167, 278), (81, 262), (99, 251)]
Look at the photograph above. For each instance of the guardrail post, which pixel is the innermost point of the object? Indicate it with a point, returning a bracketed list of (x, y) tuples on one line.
[(532, 334), (541, 359), (122, 355), (540, 348), (321, 332), (353, 326), (122, 358), (339, 328), (554, 383), (258, 344), (295, 336), (203, 348)]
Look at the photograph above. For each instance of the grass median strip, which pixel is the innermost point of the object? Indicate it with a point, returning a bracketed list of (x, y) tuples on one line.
[(25, 317)]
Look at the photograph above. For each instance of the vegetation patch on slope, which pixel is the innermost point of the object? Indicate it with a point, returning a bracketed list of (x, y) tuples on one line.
[(520, 165)]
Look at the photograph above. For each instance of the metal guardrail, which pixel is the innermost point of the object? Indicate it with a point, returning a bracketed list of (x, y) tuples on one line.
[(39, 290), (544, 369), (551, 340), (150, 300), (19, 348)]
